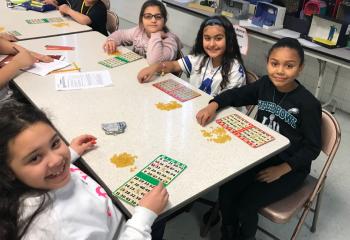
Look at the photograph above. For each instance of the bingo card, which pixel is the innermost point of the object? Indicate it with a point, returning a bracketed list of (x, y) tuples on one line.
[(120, 60), (176, 90), (163, 168), (44, 20), (244, 130)]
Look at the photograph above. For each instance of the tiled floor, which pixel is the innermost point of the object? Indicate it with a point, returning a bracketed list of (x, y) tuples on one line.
[(335, 207)]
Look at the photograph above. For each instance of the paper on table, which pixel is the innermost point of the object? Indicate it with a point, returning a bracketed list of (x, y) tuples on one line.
[(42, 69), (82, 80), (287, 33)]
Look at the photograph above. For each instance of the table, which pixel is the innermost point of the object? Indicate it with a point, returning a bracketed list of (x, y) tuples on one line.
[(14, 19), (150, 131), (339, 56)]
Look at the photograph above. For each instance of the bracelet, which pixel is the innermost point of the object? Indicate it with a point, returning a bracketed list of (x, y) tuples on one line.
[(163, 67)]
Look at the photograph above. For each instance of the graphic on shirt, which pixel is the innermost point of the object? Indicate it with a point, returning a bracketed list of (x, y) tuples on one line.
[(162, 169), (270, 123), (206, 85), (278, 112), (245, 130), (99, 191)]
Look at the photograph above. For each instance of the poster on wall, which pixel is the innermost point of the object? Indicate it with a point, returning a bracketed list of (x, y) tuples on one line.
[(242, 38)]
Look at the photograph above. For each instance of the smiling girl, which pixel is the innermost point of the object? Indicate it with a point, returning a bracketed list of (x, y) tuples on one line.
[(215, 63), (44, 196), (287, 107)]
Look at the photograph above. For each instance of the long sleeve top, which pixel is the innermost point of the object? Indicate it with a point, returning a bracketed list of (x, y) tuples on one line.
[(82, 210), (154, 48), (296, 115)]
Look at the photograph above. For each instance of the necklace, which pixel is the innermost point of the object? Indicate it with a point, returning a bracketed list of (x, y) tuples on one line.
[(82, 8), (206, 85), (273, 98), (280, 102)]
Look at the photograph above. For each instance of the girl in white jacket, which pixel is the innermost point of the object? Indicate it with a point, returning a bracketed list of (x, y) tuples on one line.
[(44, 196)]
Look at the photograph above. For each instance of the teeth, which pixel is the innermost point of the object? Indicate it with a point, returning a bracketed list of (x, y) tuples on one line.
[(58, 173)]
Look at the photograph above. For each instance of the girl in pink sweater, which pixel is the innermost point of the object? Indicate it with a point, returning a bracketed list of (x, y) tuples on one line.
[(151, 38)]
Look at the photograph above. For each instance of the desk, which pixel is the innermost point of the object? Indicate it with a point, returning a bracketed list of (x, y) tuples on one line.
[(339, 56), (14, 19), (150, 131)]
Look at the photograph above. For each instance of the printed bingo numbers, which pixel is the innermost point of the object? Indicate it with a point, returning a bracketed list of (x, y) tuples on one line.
[(176, 90), (163, 168), (244, 130), (44, 20), (120, 60)]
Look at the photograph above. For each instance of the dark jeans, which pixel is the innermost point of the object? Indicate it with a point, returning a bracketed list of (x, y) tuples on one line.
[(241, 198)]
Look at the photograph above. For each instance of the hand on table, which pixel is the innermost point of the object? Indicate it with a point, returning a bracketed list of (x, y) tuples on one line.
[(206, 114), (83, 143), (110, 46), (156, 199)]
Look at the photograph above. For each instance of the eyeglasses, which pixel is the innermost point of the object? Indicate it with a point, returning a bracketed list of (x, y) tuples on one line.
[(149, 16)]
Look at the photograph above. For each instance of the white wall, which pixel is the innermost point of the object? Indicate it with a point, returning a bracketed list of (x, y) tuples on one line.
[(186, 27)]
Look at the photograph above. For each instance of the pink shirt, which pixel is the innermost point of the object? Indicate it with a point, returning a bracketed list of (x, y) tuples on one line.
[(154, 48)]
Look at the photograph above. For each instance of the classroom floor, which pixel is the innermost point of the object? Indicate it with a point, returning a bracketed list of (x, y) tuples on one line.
[(334, 213)]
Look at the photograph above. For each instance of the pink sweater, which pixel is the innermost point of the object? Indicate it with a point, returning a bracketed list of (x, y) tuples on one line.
[(155, 49)]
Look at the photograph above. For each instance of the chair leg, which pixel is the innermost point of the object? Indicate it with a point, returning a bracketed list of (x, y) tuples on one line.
[(213, 215), (317, 209), (300, 222)]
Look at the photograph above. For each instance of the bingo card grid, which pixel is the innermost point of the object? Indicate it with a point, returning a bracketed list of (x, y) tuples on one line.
[(176, 90), (44, 20), (163, 168), (244, 130), (120, 60)]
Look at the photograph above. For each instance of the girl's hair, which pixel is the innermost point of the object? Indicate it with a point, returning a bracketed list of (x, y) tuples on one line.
[(231, 53), (291, 43), (15, 118), (163, 12)]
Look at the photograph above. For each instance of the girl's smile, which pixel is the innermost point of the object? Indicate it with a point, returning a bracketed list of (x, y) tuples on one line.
[(283, 67), (39, 158), (214, 43)]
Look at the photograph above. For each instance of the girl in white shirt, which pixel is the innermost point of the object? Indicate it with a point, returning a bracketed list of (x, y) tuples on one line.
[(44, 196), (215, 63)]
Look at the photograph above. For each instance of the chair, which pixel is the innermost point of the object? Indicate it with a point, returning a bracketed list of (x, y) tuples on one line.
[(180, 55), (311, 191), (107, 3), (250, 78), (112, 22)]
